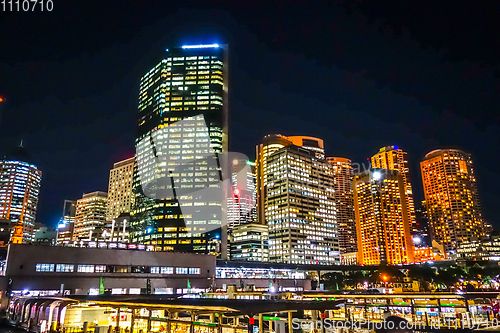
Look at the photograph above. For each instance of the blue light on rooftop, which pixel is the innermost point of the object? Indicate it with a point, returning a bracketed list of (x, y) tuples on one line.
[(201, 46)]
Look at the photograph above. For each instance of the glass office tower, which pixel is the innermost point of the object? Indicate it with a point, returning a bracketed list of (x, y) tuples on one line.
[(182, 131), (19, 190)]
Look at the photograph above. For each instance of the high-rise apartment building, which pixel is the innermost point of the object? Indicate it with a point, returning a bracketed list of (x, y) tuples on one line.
[(90, 215), (120, 188), (452, 199), (19, 190), (343, 174), (296, 200), (394, 158), (383, 230), (182, 130)]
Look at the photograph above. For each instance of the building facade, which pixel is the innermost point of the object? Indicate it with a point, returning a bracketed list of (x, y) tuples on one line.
[(90, 215), (346, 219), (120, 188), (19, 190), (452, 199), (486, 248), (420, 231), (394, 158), (249, 242), (241, 204), (66, 225), (44, 268), (383, 230), (182, 131), (297, 200)]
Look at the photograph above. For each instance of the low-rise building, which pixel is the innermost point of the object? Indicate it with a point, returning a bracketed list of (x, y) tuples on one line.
[(349, 258), (249, 242), (46, 270), (487, 248)]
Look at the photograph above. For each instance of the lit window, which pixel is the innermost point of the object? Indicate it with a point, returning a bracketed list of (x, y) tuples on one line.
[(194, 270), (167, 270), (100, 268), (86, 268), (44, 267), (65, 268), (155, 270), (181, 270)]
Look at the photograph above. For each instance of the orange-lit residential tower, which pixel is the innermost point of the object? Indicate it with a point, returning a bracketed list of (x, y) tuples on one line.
[(453, 206), (382, 226), (394, 158)]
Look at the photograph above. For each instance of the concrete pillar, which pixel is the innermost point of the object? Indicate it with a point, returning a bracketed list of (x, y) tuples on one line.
[(193, 318), (117, 328), (150, 313), (167, 315), (132, 321)]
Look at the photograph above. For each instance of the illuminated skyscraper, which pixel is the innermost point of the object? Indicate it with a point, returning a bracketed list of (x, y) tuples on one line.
[(270, 144), (67, 223), (394, 158), (19, 189), (120, 188), (452, 199), (382, 218), (182, 129), (90, 215), (296, 200), (343, 176), (241, 203)]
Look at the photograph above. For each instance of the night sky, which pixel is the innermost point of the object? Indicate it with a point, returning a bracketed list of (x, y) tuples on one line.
[(360, 75)]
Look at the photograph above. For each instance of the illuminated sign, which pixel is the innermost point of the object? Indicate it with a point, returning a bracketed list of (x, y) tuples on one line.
[(202, 46)]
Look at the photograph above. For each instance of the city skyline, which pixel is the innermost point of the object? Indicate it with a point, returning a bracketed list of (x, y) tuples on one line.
[(250, 78), (247, 166)]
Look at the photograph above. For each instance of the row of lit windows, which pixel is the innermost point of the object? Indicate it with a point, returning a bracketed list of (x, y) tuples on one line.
[(69, 268)]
